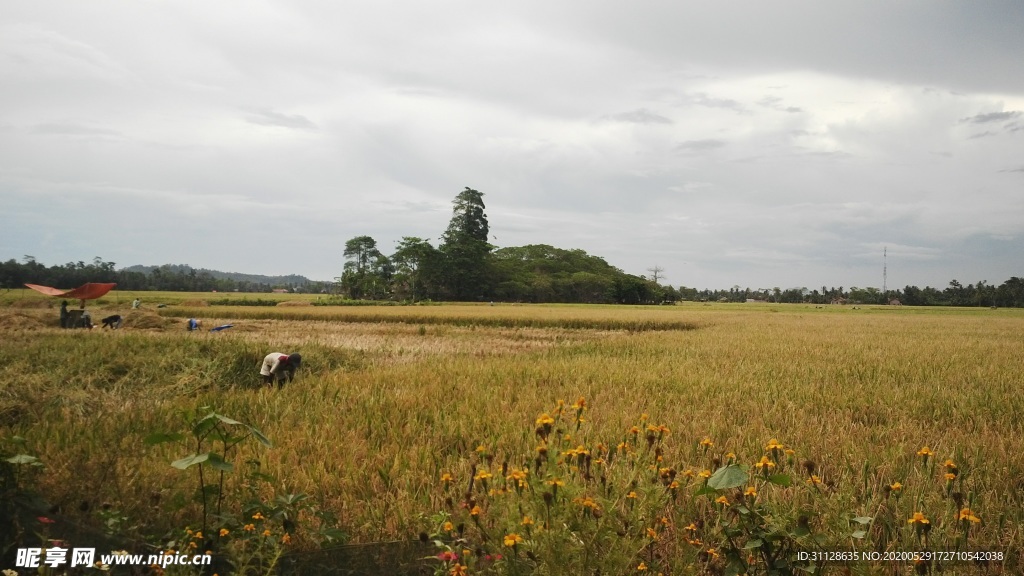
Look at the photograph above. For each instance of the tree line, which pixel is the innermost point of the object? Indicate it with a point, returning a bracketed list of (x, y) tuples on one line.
[(465, 266), (169, 277)]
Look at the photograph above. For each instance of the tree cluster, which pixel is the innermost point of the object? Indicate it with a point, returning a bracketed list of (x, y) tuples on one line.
[(466, 267)]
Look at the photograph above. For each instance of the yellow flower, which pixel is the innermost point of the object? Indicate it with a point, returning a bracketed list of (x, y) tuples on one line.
[(475, 511), (691, 528), (773, 444), (545, 418), (286, 539), (967, 515), (949, 464), (481, 449), (446, 478), (257, 516), (705, 474), (949, 476), (706, 443), (722, 500), (814, 480), (764, 465), (712, 553), (925, 453), (631, 494), (249, 527), (199, 535), (750, 491), (580, 404), (448, 527), (512, 539), (641, 567), (458, 570), (224, 531), (556, 482), (527, 521), (896, 487), (731, 456), (482, 475), (688, 473), (266, 532), (652, 533), (919, 519), (674, 485)]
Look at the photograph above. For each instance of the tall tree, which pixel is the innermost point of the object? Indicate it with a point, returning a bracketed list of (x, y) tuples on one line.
[(367, 271), (467, 254), (415, 262)]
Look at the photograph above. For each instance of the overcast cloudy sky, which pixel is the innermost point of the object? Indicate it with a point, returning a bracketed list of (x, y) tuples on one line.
[(758, 144)]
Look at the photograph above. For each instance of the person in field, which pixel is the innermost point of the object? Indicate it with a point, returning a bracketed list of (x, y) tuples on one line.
[(193, 324), (280, 368)]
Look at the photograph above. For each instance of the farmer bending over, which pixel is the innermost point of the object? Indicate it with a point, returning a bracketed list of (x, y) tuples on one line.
[(280, 368)]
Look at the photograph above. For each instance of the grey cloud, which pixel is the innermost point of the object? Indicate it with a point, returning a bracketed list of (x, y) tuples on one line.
[(775, 103), (699, 145), (641, 116), (702, 99), (991, 117), (72, 130), (1021, 169), (984, 134), (271, 118)]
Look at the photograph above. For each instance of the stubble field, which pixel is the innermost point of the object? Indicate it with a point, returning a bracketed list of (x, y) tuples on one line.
[(391, 398)]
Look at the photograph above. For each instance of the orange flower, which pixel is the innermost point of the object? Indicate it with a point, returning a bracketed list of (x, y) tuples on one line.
[(966, 515), (918, 519)]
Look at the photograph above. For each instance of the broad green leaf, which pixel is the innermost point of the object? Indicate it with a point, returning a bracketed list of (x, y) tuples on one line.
[(781, 479), (755, 543), (859, 534), (190, 461), (259, 436), (862, 520), (705, 490), (730, 476), (162, 437), (22, 459), (226, 420), (218, 463)]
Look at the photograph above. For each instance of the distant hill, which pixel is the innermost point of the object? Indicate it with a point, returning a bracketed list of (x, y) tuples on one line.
[(291, 279)]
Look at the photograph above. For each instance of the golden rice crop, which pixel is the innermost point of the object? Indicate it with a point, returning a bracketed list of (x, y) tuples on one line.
[(389, 398)]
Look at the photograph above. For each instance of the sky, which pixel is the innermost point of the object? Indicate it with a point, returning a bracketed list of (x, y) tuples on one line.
[(753, 144)]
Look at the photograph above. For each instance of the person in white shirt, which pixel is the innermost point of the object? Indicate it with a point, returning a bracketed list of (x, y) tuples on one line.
[(280, 368)]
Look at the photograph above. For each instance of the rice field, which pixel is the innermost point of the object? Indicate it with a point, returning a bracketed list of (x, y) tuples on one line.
[(391, 398)]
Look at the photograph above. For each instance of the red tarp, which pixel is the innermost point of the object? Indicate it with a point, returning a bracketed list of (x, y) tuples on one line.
[(88, 291)]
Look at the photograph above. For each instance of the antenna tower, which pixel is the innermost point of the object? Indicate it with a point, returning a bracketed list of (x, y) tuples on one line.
[(885, 271)]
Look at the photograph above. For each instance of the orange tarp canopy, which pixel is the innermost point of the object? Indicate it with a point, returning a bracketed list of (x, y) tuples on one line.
[(88, 291)]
